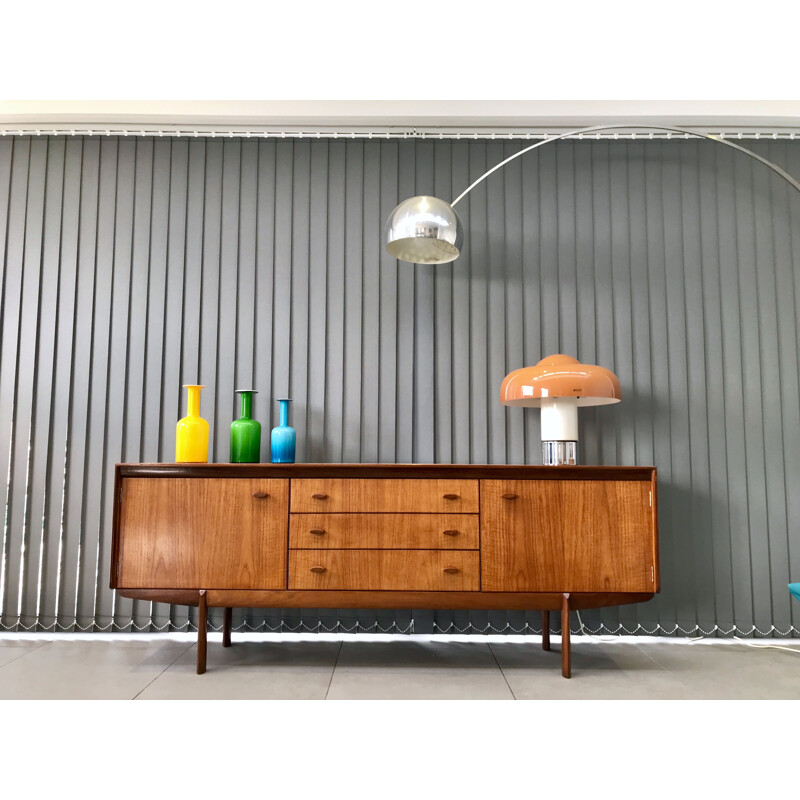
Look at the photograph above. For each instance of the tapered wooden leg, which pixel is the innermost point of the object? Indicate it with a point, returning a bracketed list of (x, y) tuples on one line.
[(545, 630), (226, 628), (566, 665), (202, 625)]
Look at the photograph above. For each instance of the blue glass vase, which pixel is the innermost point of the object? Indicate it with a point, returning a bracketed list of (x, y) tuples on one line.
[(283, 437)]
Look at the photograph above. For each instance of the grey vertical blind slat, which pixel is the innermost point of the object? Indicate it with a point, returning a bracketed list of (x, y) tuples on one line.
[(22, 555), (12, 306), (530, 287), (335, 310), (477, 248), (264, 290), (211, 279), (370, 302), (228, 354), (515, 311), (443, 328), (387, 282), (245, 296), (75, 554), (317, 309), (424, 342), (353, 309), (53, 605), (404, 367), (119, 348), (43, 442), (133, 266), (496, 313)]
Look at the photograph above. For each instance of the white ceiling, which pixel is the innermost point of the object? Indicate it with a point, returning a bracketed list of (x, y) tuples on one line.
[(406, 113)]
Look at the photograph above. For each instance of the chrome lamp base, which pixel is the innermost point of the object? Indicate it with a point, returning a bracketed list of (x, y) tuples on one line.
[(558, 453)]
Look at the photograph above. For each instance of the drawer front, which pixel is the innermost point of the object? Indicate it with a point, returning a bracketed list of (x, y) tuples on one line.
[(388, 495), (384, 531), (385, 570)]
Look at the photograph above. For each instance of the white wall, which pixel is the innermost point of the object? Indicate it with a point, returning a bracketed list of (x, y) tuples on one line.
[(548, 113)]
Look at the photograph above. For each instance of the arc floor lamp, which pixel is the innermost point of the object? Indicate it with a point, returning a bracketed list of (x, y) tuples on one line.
[(427, 230)]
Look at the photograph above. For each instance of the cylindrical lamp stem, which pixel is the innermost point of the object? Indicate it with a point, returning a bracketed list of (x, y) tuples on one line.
[(560, 419), (559, 431)]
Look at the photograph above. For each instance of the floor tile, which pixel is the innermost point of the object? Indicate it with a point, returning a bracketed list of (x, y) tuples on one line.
[(11, 650), (254, 670), (88, 669), (417, 670), (600, 671), (294, 667), (723, 670)]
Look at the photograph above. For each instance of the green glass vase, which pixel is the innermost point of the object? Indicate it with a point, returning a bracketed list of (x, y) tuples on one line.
[(246, 432)]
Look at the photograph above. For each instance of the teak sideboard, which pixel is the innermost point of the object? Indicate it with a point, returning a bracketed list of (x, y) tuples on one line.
[(385, 536)]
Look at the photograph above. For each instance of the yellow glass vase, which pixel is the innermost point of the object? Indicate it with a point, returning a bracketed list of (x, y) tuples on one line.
[(191, 435)]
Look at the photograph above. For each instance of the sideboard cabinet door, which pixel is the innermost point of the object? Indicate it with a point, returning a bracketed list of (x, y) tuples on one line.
[(567, 536), (203, 533)]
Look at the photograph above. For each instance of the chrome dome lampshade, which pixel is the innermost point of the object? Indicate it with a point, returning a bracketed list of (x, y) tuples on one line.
[(424, 230)]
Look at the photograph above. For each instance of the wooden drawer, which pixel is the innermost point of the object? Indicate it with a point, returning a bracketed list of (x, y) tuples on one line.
[(341, 495), (384, 531), (388, 570)]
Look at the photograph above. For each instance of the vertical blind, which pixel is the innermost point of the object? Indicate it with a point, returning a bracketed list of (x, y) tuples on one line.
[(133, 265)]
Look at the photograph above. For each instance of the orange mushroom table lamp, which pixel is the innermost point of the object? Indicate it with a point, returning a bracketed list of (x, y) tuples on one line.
[(558, 385)]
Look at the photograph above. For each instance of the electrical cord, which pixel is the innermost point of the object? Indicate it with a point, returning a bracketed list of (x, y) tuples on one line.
[(795, 650), (592, 636)]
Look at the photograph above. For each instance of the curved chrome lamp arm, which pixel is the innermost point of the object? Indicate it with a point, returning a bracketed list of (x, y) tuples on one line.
[(427, 230), (773, 167)]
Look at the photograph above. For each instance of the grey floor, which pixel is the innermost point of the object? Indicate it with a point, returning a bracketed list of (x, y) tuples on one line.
[(295, 667)]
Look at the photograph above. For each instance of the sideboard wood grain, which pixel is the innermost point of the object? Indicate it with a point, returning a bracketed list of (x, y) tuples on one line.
[(588, 536), (385, 531), (219, 533), (386, 570), (384, 495)]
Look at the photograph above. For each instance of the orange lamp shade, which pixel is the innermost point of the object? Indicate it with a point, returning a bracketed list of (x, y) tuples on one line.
[(560, 376)]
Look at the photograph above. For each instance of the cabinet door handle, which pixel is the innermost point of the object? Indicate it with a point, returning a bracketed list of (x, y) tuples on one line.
[(318, 569), (510, 496), (317, 532), (450, 496), (451, 570), (451, 533), (260, 495), (320, 496)]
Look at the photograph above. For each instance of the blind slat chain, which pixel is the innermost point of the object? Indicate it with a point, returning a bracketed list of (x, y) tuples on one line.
[(339, 627)]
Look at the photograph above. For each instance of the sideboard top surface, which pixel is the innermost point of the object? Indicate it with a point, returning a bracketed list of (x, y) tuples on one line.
[(486, 471)]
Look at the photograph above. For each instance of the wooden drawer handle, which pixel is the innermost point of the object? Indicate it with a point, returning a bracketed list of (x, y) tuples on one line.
[(450, 496), (451, 533), (318, 569), (510, 496), (317, 532), (260, 495), (320, 496), (451, 570)]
